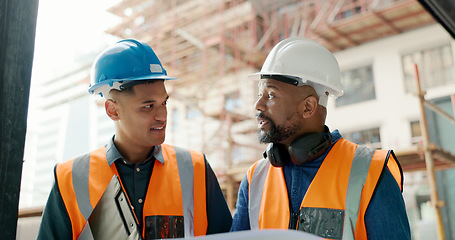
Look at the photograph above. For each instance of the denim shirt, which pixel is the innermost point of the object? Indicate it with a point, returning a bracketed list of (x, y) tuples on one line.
[(385, 217)]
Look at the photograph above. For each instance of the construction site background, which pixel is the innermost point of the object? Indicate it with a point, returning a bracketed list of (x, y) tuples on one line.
[(212, 46)]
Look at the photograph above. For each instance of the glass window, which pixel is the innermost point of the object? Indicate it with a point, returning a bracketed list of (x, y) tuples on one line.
[(435, 68), (368, 137), (358, 86), (351, 8), (175, 119), (192, 112), (232, 101), (415, 132)]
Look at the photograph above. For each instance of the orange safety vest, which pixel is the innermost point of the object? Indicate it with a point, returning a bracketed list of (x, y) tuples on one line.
[(180, 182), (349, 174)]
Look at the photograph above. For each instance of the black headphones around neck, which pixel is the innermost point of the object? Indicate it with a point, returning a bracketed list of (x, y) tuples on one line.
[(303, 149)]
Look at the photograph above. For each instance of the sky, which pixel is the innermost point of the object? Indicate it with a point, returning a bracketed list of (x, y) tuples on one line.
[(67, 28), (64, 30)]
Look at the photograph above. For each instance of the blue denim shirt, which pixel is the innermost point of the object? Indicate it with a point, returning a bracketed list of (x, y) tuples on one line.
[(385, 217)]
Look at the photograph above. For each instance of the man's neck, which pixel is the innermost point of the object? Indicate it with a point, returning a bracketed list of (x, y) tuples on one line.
[(133, 154)]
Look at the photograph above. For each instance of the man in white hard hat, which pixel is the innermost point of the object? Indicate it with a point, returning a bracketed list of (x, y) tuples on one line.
[(311, 179), (136, 179)]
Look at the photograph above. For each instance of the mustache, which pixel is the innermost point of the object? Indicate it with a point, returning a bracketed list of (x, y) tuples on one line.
[(261, 115)]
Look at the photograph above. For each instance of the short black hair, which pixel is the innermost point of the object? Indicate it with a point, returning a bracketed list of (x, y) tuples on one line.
[(128, 87)]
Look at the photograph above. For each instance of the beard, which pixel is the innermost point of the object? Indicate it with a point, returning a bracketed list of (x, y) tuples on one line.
[(276, 133)]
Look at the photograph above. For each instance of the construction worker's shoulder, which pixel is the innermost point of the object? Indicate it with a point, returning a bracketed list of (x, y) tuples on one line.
[(182, 153), (251, 170)]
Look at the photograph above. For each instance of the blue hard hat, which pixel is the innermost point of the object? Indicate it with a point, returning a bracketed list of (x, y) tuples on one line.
[(126, 61)]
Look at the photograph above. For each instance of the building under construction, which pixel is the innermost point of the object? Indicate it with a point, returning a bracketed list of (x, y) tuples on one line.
[(212, 46)]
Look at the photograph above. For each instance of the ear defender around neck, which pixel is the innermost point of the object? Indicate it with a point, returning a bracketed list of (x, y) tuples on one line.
[(277, 154), (303, 149)]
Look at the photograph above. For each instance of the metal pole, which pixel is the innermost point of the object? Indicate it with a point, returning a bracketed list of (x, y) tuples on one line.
[(17, 38), (230, 179), (429, 160), (453, 103)]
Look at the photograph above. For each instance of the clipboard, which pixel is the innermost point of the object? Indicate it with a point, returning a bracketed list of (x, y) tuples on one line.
[(113, 217)]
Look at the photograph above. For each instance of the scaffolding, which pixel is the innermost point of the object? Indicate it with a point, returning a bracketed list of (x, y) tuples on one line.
[(211, 46), (233, 32), (429, 150)]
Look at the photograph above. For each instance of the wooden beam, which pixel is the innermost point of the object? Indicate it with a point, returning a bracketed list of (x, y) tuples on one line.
[(429, 163), (387, 23)]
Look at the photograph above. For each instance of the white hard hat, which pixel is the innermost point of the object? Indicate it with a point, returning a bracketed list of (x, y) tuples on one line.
[(300, 61)]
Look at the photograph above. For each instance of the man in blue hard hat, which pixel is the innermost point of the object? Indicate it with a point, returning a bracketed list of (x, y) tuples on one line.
[(171, 192)]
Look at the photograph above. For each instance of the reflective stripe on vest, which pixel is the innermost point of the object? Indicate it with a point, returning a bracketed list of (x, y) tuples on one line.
[(357, 177), (82, 182), (81, 169), (256, 186), (186, 184), (351, 186), (192, 185)]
